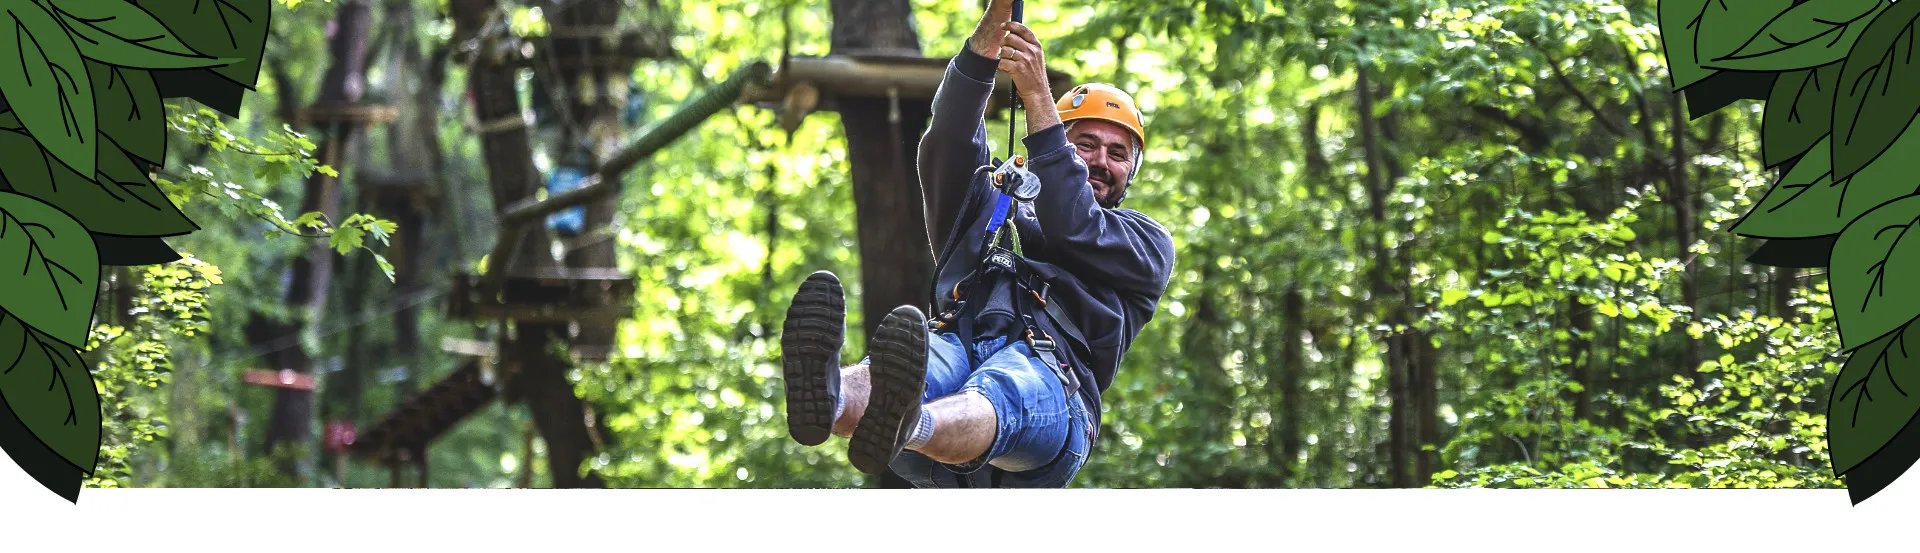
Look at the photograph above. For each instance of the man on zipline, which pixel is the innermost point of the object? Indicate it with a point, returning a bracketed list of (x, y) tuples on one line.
[(1034, 314)]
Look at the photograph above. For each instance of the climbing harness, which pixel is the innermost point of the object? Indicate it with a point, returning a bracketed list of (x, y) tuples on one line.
[(1003, 263)]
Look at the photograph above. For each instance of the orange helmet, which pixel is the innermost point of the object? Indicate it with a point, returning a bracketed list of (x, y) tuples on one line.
[(1103, 102)]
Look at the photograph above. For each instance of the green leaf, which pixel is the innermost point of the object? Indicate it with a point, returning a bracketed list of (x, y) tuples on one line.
[(385, 266), (1809, 35), (1876, 98), (220, 28), (130, 111), (52, 271), (1873, 265), (51, 391), (120, 33), (1874, 396), (1679, 22), (1451, 297), (1807, 202), (1799, 113), (47, 83), (119, 200)]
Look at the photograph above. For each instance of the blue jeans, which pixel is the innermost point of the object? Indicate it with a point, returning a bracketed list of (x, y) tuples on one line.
[(1041, 439)]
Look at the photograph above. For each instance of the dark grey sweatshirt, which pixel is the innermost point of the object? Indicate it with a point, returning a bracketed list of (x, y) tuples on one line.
[(1108, 267)]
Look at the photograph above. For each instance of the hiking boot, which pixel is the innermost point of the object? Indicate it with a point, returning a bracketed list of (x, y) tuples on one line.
[(899, 378), (810, 357)]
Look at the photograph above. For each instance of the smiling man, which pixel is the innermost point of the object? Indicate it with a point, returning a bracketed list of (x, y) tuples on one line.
[(1002, 388)]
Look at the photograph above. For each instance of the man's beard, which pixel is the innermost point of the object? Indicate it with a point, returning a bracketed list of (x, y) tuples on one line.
[(1102, 184)]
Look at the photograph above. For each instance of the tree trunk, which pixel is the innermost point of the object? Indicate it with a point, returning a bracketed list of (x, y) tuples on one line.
[(414, 141), (291, 422), (1292, 398), (593, 97), (1783, 284), (896, 258), (1680, 195), (511, 176), (1400, 425)]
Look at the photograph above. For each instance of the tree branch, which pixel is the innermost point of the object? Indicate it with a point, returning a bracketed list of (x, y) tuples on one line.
[(1585, 101), (1530, 131)]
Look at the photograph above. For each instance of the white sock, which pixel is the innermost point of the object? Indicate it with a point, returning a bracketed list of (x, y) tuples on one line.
[(922, 433), (839, 406)]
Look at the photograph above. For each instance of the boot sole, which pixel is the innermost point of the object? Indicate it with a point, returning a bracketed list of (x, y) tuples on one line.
[(810, 356), (898, 376)]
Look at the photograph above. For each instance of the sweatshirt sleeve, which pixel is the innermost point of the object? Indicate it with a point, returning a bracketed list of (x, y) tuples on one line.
[(955, 143), (1127, 248)]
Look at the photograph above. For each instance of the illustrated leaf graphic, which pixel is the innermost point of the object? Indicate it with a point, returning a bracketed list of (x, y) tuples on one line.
[(234, 29), (130, 110), (1679, 22), (1807, 203), (1722, 27), (39, 461), (118, 200), (48, 268), (123, 34), (1875, 260), (1799, 113), (1876, 394), (47, 83), (1876, 98), (48, 387), (1808, 35)]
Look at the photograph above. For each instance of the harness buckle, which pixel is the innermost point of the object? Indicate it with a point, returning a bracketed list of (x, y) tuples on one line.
[(1043, 343)]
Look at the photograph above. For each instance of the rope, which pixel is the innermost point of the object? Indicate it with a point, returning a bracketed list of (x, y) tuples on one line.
[(291, 341)]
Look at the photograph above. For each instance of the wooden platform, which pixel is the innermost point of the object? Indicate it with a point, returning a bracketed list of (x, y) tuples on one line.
[(553, 296)]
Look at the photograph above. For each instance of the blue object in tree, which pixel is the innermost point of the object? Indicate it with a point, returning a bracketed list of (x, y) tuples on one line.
[(636, 104), (572, 221)]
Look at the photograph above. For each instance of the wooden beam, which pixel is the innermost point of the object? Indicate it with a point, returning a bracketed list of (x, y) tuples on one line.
[(283, 379), (347, 113), (474, 348), (871, 76)]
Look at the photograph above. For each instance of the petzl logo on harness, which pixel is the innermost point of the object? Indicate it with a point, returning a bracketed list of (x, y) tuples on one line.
[(1001, 258)]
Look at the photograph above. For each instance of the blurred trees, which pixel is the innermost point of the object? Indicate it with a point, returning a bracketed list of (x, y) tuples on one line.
[(1421, 242)]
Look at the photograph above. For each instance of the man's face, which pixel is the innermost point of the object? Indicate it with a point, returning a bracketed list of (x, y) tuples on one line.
[(1108, 150)]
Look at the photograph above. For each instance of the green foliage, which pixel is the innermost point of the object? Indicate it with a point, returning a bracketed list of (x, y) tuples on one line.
[(60, 274), (1853, 182), (226, 29), (135, 361), (1806, 115), (1744, 426), (119, 199), (1805, 35), (49, 390), (130, 111), (120, 33), (48, 84), (1516, 144), (1877, 78), (1808, 203), (1869, 262), (82, 136), (276, 157), (1869, 405)]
